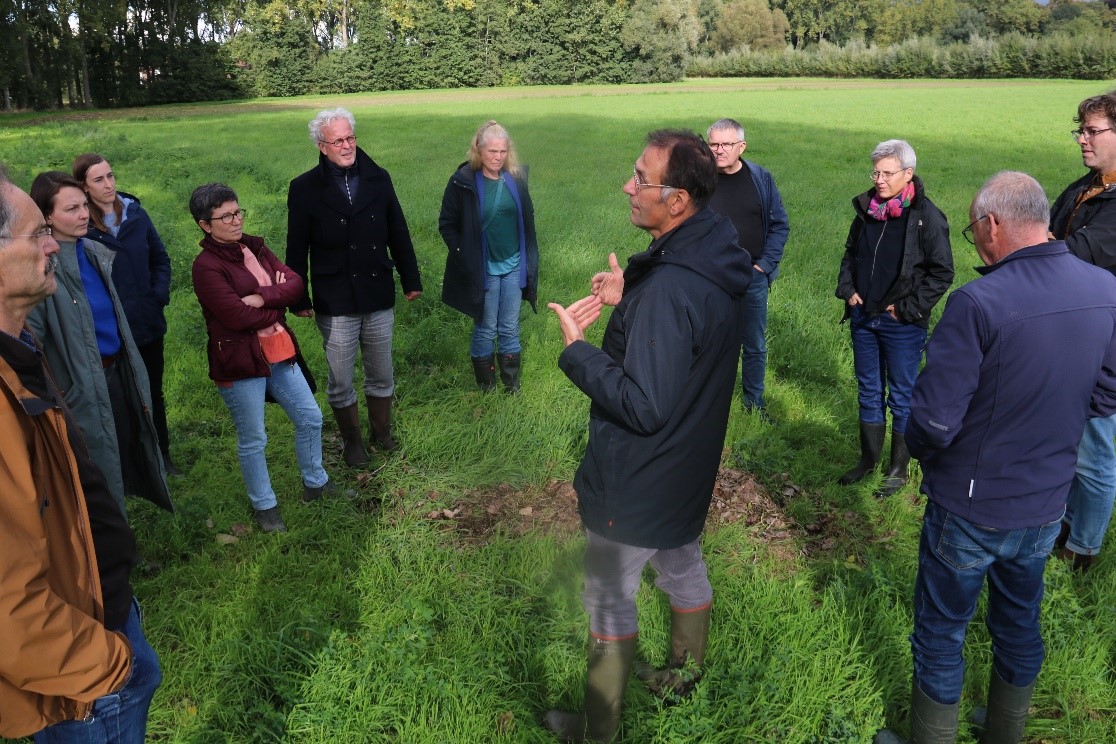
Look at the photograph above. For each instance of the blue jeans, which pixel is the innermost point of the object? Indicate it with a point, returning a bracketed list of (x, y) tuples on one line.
[(245, 400), (121, 717), (341, 336), (954, 557), (500, 317), (1089, 508), (612, 576), (885, 353), (753, 348)]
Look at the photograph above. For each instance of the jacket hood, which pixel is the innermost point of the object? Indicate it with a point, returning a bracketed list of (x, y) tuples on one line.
[(706, 244), (860, 201)]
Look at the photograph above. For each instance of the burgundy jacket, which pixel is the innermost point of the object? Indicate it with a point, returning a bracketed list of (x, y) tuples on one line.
[(220, 280)]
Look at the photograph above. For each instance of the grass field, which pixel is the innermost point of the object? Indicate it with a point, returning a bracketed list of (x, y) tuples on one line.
[(387, 625)]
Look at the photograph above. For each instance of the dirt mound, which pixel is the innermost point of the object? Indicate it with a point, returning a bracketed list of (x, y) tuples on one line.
[(738, 499)]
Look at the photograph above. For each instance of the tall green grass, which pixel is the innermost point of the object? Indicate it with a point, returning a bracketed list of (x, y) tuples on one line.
[(377, 624)]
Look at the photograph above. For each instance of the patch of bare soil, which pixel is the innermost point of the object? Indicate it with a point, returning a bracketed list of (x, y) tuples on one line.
[(738, 499)]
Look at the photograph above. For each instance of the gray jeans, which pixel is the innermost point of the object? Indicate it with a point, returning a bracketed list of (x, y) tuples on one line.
[(612, 575), (341, 336)]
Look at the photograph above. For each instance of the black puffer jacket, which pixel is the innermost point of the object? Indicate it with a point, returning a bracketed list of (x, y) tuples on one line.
[(927, 268), (661, 387), (1092, 235)]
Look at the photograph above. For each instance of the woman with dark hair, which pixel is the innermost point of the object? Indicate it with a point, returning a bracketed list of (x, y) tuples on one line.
[(243, 290), (88, 344), (488, 223), (897, 265), (141, 272)]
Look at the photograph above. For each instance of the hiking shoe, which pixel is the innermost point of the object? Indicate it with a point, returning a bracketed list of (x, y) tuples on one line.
[(269, 520), (329, 488)]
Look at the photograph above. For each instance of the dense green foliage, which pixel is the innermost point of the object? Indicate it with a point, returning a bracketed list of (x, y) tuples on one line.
[(1085, 57), (137, 52), (366, 625)]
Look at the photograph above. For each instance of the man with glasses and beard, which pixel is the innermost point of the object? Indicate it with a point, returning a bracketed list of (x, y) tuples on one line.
[(345, 234), (1085, 217)]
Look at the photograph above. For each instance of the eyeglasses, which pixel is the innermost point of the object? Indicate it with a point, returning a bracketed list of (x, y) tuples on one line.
[(888, 175), (723, 145), (231, 217), (640, 184), (38, 236), (1088, 134), (340, 141), (967, 233)]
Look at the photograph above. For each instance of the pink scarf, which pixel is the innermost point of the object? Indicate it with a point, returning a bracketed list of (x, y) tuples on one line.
[(893, 207), (276, 348)]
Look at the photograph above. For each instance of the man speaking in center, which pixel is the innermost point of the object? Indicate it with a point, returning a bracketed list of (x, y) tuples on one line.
[(661, 388)]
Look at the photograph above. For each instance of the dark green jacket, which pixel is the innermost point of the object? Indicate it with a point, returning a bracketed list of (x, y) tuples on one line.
[(63, 324)]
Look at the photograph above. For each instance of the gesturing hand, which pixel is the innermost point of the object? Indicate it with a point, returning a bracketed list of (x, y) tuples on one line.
[(577, 317), (609, 285)]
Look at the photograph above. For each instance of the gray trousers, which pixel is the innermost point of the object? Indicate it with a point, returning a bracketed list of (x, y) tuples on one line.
[(342, 335), (612, 576)]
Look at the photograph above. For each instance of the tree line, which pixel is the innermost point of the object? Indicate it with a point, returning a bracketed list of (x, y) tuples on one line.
[(84, 53)]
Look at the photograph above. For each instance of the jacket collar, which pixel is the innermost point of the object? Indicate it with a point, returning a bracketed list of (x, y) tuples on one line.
[(1042, 250), (231, 251), (366, 170)]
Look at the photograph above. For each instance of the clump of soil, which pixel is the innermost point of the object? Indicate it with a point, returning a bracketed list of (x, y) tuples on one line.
[(738, 499)]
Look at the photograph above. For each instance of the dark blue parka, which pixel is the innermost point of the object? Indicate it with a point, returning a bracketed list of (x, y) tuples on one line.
[(141, 271), (459, 222), (661, 386), (1020, 359)]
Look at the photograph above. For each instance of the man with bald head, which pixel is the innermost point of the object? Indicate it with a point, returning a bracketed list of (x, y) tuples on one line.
[(1023, 356)]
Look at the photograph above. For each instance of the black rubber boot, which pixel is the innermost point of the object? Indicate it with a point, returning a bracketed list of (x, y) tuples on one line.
[(484, 369), (1006, 716), (931, 722), (689, 635), (896, 476), (871, 445), (379, 422), (610, 664), (509, 371), (348, 423)]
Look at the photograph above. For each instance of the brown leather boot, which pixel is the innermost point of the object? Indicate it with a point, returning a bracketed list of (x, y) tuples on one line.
[(348, 423), (379, 422)]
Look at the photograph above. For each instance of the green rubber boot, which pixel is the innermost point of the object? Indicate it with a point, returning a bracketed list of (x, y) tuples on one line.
[(610, 664)]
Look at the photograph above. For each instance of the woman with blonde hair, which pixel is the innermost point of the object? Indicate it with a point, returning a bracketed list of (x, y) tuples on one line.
[(488, 223)]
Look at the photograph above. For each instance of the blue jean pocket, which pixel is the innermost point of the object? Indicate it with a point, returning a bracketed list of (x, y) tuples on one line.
[(958, 547)]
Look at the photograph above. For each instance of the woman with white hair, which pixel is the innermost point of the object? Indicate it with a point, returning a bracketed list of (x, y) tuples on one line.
[(897, 265), (488, 223)]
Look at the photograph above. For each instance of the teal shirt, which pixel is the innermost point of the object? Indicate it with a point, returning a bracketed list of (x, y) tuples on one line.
[(501, 228)]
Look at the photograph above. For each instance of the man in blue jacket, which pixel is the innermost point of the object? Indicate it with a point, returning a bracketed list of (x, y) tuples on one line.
[(746, 193), (661, 387), (1021, 358)]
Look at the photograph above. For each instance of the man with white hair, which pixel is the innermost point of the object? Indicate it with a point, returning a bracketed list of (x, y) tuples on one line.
[(345, 233), (1022, 357)]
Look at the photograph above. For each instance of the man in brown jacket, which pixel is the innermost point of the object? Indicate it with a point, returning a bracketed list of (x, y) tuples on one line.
[(73, 659)]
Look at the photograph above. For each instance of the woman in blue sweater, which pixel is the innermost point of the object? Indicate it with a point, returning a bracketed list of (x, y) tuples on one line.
[(141, 272)]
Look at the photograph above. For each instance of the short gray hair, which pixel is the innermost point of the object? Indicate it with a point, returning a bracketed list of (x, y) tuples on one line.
[(1014, 197), (722, 124), (895, 148), (323, 119)]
